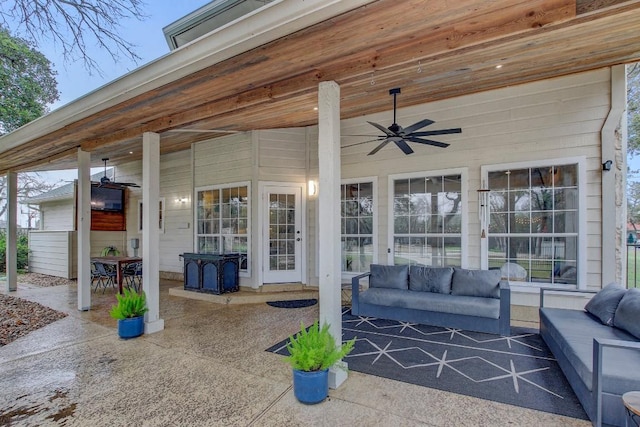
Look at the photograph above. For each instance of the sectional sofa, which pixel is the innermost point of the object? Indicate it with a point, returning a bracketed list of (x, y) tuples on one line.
[(474, 300)]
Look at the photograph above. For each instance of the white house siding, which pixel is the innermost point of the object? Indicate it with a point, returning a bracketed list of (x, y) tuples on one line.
[(58, 215), (53, 253), (545, 120)]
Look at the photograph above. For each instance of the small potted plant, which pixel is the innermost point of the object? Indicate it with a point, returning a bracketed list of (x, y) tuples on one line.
[(110, 251), (130, 312), (311, 352)]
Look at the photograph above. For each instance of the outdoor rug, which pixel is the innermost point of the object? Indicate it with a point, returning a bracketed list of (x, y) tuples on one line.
[(296, 303), (518, 369)]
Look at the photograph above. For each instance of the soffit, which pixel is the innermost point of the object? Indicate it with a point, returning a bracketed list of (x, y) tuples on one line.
[(456, 46)]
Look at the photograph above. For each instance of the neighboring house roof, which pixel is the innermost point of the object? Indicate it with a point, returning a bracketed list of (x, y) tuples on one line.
[(64, 192), (208, 18)]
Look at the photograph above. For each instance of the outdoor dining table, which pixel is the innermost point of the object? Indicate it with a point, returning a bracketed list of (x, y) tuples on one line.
[(120, 262)]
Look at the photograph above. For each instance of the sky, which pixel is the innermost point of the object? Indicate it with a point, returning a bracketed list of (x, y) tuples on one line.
[(74, 80)]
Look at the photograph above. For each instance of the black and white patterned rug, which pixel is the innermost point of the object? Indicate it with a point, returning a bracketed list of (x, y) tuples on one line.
[(518, 369)]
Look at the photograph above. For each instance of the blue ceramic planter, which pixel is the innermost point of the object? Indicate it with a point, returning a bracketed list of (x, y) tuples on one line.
[(311, 387), (130, 328)]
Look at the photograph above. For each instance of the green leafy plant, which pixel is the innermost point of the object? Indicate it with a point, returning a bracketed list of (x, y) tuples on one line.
[(130, 304), (314, 349), (110, 250)]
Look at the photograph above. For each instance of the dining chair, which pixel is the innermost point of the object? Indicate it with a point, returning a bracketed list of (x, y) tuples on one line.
[(132, 274), (107, 274)]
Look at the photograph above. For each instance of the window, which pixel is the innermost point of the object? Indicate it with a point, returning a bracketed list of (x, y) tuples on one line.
[(428, 220), (357, 227), (533, 213), (160, 215), (222, 221)]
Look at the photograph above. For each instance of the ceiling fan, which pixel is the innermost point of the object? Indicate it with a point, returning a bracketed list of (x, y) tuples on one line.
[(106, 182), (399, 135)]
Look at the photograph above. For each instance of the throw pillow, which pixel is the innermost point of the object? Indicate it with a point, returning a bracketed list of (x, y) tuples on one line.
[(603, 305), (476, 283), (628, 313), (389, 276), (427, 279)]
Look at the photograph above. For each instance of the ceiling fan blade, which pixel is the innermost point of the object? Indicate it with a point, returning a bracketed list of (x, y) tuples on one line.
[(418, 125), (403, 146), (382, 128), (379, 147), (363, 142), (427, 141), (437, 132)]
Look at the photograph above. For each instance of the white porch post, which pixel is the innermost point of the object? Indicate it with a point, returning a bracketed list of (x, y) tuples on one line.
[(329, 215), (12, 224), (84, 230), (614, 182), (150, 230)]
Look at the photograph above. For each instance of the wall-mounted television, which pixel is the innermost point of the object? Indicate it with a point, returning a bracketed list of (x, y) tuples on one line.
[(107, 199)]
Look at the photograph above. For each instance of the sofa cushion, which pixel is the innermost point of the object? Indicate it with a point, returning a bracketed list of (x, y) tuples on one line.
[(389, 276), (428, 279), (574, 331), (628, 313), (433, 301), (603, 305), (476, 283)]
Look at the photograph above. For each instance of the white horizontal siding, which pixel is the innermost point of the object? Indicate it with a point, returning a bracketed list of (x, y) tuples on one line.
[(51, 253), (545, 120), (58, 215), (223, 160), (282, 155)]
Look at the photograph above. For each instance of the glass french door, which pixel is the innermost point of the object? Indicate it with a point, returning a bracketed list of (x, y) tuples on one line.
[(282, 234)]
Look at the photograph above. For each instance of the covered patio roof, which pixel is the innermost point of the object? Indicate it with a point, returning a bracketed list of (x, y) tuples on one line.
[(262, 71)]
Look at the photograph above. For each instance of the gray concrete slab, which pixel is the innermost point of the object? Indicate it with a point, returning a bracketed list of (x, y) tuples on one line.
[(208, 367)]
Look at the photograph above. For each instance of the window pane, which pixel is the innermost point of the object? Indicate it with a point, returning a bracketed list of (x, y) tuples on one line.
[(357, 220), (427, 215), (542, 202)]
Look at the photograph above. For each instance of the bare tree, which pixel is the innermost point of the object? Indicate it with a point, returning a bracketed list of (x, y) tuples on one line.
[(76, 26), (30, 184)]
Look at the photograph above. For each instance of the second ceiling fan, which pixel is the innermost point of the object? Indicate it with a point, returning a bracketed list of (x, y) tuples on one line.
[(399, 135)]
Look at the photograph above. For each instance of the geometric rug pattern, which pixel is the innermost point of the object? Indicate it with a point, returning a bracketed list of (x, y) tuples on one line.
[(518, 369)]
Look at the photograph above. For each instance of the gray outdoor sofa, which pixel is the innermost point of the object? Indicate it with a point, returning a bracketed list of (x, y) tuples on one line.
[(597, 349), (474, 300)]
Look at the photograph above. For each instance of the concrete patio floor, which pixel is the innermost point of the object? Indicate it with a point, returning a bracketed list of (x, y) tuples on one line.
[(208, 367)]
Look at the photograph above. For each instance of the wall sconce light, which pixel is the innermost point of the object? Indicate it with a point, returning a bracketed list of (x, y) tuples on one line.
[(606, 166), (313, 188)]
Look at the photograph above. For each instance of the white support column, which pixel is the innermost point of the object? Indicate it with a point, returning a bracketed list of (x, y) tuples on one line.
[(614, 182), (84, 230), (150, 230), (329, 216), (12, 235)]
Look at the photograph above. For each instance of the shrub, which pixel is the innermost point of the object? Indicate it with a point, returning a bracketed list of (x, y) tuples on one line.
[(22, 245)]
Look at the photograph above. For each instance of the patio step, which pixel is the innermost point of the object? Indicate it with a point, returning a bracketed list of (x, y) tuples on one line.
[(283, 292)]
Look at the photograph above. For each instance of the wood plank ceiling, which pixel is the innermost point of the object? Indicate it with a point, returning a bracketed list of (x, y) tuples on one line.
[(434, 50)]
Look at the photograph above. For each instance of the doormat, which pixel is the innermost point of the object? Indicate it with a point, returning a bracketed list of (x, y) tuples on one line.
[(295, 303), (518, 369)]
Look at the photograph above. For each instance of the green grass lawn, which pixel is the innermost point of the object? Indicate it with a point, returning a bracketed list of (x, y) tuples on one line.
[(633, 267)]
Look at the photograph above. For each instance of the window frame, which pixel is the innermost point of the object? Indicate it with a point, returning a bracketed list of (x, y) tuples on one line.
[(464, 207), (581, 259), (220, 187), (373, 180), (161, 214)]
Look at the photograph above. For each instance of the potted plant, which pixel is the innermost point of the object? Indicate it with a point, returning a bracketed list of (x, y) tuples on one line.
[(311, 352), (130, 312), (110, 250)]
